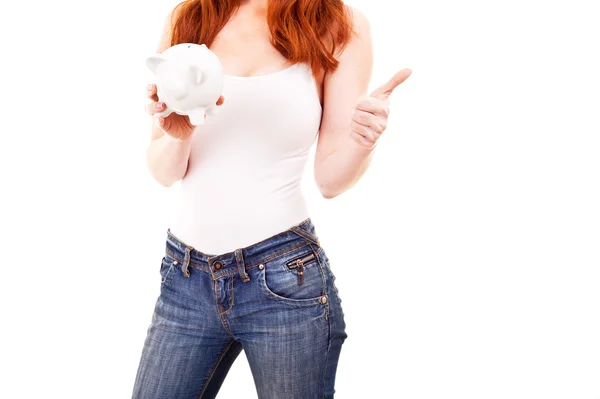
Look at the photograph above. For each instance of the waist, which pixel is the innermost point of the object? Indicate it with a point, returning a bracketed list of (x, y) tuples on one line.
[(295, 236), (216, 224)]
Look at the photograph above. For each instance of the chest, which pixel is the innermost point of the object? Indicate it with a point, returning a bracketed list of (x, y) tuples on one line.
[(244, 49)]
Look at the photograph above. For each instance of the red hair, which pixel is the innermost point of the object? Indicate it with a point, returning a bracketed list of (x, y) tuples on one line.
[(308, 31)]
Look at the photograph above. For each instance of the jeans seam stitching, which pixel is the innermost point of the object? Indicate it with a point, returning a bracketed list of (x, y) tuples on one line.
[(219, 313), (231, 300), (329, 339), (323, 275), (225, 325), (306, 234)]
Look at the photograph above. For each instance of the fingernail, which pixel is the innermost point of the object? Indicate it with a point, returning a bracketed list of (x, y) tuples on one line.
[(150, 86), (159, 105)]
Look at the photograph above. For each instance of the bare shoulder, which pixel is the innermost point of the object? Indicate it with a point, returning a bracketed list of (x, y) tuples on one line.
[(361, 26), (359, 42), (359, 19), (358, 50)]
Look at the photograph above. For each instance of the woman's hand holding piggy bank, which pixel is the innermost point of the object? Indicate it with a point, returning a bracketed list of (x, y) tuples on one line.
[(188, 86), (175, 125)]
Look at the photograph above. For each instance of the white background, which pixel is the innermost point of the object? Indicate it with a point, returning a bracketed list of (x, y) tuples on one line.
[(467, 258)]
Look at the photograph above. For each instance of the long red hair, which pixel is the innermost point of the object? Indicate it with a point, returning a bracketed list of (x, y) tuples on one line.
[(301, 30)]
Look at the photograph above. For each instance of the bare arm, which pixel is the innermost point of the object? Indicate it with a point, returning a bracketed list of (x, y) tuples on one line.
[(167, 157), (339, 160), (352, 121)]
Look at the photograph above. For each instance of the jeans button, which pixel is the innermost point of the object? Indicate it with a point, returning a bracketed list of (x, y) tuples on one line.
[(261, 266), (218, 265)]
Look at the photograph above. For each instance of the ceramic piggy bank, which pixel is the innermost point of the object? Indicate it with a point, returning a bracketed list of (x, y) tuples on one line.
[(189, 80)]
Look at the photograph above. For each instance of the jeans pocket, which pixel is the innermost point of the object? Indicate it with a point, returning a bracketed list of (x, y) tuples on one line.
[(166, 269), (294, 276)]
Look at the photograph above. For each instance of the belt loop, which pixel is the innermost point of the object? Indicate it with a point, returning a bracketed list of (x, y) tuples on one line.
[(309, 236), (186, 262), (240, 264)]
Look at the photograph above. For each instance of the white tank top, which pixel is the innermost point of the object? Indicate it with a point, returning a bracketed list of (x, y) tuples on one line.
[(246, 162)]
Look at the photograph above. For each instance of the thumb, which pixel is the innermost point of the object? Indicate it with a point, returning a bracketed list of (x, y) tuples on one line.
[(387, 88)]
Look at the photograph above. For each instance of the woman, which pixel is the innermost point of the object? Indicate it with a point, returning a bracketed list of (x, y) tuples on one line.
[(243, 266)]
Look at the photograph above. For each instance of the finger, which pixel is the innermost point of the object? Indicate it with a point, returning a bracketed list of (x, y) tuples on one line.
[(368, 119), (155, 107), (387, 88), (221, 100), (375, 106), (151, 92), (362, 117), (363, 136), (365, 131), (377, 124)]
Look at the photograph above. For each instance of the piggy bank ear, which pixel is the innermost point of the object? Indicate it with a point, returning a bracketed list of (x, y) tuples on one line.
[(198, 75), (154, 61)]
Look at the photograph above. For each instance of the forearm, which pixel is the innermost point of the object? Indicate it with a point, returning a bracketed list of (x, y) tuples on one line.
[(167, 159), (342, 169)]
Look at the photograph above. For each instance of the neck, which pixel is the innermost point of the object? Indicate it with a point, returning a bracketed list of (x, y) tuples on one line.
[(257, 5)]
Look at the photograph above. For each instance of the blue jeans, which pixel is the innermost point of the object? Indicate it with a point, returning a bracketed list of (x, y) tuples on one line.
[(275, 299)]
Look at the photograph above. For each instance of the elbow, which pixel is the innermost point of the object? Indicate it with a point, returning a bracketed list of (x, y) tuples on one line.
[(163, 179), (166, 183), (167, 180), (166, 177), (327, 192), (328, 184)]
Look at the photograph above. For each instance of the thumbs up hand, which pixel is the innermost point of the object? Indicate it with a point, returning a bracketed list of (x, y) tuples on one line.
[(370, 117)]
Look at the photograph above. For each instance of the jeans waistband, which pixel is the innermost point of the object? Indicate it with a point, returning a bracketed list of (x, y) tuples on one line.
[(242, 259)]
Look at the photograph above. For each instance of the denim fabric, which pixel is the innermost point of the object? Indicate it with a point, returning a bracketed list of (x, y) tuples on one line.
[(286, 315)]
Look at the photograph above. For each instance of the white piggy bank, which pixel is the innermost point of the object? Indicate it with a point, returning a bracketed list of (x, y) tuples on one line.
[(189, 80)]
